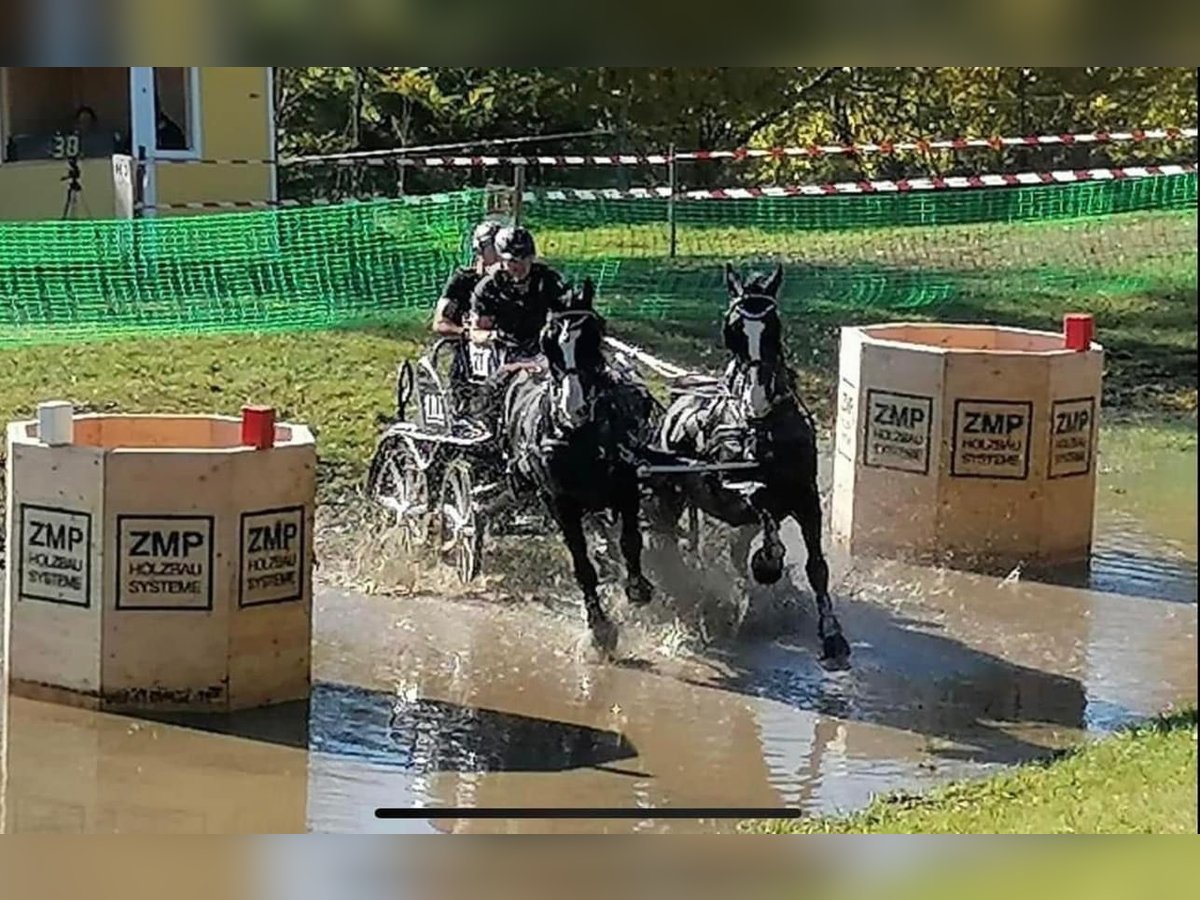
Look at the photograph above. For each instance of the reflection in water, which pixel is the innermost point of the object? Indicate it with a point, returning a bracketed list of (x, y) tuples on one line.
[(425, 735), (1126, 560), (70, 770)]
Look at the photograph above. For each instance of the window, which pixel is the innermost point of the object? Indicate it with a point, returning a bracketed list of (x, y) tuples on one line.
[(177, 96), (56, 112)]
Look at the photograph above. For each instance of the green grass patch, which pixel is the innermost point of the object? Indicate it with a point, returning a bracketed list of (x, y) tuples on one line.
[(1141, 780), (341, 382)]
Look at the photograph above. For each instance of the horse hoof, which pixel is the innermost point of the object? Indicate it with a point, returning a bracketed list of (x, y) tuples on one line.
[(766, 568), (639, 591), (835, 651), (604, 637), (604, 634)]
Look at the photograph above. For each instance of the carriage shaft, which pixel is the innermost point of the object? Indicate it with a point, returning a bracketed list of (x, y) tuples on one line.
[(695, 468)]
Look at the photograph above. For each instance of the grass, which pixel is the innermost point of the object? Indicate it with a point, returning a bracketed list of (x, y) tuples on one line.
[(341, 382), (1142, 780), (1135, 272)]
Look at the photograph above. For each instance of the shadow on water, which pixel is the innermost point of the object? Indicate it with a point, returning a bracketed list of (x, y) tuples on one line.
[(417, 735), (909, 675)]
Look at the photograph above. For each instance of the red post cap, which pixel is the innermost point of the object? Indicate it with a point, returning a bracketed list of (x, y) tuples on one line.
[(258, 427), (1078, 330)]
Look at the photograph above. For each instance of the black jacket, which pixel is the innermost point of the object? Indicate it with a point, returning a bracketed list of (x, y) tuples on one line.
[(458, 291), (518, 311)]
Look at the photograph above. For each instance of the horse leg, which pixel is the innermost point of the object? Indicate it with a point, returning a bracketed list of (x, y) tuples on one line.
[(570, 520), (637, 587), (766, 565), (834, 647)]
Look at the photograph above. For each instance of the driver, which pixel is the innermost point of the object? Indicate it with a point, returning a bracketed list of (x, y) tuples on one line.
[(449, 318), (450, 315), (510, 306), (512, 301)]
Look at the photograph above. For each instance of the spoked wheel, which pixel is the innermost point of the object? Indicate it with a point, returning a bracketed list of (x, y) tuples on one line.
[(401, 485), (461, 526)]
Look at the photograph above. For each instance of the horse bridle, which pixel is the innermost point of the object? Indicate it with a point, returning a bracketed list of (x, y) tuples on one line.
[(738, 307), (574, 315), (565, 370)]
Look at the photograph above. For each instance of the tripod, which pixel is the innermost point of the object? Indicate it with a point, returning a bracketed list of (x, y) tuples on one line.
[(74, 189)]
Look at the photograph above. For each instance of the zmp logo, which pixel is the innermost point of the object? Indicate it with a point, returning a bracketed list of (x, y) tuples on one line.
[(170, 543), (1072, 422), (899, 416), (267, 538), (55, 537), (992, 423)]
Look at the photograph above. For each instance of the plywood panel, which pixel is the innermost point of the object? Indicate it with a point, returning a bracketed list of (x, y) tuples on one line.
[(166, 614), (1009, 472), (196, 565), (271, 629), (54, 587)]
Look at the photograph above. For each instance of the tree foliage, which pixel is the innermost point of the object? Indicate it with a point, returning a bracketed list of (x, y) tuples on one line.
[(638, 110)]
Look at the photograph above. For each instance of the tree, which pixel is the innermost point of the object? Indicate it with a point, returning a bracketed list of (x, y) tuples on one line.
[(643, 110)]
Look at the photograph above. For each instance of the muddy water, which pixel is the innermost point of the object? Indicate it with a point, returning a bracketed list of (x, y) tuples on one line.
[(440, 703)]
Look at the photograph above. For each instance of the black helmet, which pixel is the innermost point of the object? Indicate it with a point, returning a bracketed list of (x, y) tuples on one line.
[(484, 236), (515, 242)]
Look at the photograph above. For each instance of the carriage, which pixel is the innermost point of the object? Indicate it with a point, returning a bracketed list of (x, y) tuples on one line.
[(437, 468), (441, 471)]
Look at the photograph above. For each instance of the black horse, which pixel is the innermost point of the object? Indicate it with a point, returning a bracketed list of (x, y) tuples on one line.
[(754, 415), (571, 432)]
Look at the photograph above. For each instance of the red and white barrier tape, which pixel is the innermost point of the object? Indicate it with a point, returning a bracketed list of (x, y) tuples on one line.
[(256, 204), (815, 150), (216, 162), (1068, 176), (868, 187), (926, 146), (1136, 135)]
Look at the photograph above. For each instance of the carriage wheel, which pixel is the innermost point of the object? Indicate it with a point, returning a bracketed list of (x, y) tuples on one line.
[(402, 486), (461, 526)]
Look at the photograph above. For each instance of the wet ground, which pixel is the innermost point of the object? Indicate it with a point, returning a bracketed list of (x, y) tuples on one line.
[(441, 703)]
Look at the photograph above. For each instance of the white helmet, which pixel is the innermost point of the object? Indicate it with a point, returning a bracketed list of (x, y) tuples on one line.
[(484, 236)]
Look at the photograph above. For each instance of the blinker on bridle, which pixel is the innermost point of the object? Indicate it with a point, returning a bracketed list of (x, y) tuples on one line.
[(574, 314), (743, 313)]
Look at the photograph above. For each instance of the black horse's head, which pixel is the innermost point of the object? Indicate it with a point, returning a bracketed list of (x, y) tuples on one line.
[(753, 333), (573, 344)]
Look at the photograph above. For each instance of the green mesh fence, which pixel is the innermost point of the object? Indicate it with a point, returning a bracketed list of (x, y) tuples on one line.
[(897, 251), (326, 267), (297, 269)]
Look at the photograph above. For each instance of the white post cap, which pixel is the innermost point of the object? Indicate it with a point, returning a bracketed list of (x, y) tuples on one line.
[(56, 423)]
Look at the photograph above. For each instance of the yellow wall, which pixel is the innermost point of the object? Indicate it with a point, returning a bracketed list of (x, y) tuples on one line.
[(235, 124), (32, 190)]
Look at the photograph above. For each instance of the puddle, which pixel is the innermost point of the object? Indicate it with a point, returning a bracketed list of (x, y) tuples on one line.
[(447, 703)]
